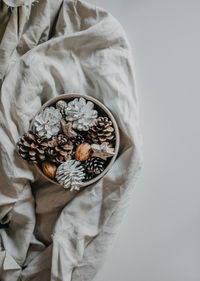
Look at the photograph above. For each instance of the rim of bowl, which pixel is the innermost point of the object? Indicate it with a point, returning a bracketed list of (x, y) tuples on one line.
[(106, 110)]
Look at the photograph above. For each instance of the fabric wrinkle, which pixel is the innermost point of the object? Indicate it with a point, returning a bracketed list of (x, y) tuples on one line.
[(49, 48)]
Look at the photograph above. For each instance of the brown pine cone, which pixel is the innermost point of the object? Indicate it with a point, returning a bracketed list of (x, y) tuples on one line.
[(93, 167), (32, 148), (59, 149), (76, 141), (62, 139), (102, 131)]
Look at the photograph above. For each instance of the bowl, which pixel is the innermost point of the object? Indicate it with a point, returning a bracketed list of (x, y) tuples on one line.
[(104, 111)]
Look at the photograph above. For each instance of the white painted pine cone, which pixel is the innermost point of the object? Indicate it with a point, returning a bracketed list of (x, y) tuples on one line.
[(70, 174), (81, 114), (47, 123)]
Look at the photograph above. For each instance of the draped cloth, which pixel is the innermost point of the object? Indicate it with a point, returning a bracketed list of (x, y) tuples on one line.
[(49, 48)]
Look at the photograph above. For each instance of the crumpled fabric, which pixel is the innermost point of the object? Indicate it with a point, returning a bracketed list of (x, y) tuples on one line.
[(49, 48)]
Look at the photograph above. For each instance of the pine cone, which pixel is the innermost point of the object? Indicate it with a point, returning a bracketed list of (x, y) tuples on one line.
[(93, 167), (81, 113), (59, 149), (61, 105), (47, 122), (102, 131), (32, 148), (76, 141), (61, 139), (70, 174)]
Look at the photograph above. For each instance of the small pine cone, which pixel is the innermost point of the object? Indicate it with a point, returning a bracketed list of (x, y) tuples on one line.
[(79, 139), (32, 148), (59, 149), (62, 139), (88, 177), (93, 167), (102, 131)]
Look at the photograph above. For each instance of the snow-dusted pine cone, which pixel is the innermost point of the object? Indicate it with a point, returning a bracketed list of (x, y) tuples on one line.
[(32, 148), (81, 113), (70, 174), (59, 149), (93, 167), (102, 131), (47, 123)]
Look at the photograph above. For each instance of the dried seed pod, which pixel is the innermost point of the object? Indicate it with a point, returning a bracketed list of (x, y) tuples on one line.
[(102, 151), (67, 129)]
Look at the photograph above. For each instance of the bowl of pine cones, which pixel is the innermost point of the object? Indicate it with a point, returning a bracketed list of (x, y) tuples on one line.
[(73, 141)]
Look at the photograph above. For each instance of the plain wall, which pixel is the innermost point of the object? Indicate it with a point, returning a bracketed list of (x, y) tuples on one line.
[(159, 239)]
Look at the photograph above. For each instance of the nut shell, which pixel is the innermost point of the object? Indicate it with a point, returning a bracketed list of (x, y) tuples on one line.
[(49, 169), (83, 152)]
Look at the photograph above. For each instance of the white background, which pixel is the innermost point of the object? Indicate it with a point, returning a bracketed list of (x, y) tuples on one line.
[(159, 239)]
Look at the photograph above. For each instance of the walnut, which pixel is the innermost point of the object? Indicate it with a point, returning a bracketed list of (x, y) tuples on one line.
[(49, 169), (83, 151)]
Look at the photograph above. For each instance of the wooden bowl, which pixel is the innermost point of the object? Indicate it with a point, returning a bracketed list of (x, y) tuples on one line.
[(104, 111)]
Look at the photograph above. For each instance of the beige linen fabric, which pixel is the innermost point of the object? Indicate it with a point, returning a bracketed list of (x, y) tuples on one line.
[(49, 48)]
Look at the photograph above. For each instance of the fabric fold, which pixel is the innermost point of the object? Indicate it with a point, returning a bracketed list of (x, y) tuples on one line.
[(17, 3), (9, 269), (48, 49)]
